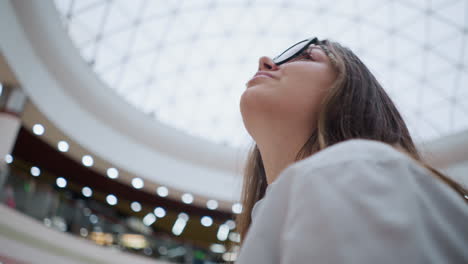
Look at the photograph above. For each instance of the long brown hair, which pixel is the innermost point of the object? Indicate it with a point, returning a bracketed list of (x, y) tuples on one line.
[(356, 106)]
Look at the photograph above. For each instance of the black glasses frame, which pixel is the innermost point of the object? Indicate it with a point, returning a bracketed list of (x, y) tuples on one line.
[(308, 42)]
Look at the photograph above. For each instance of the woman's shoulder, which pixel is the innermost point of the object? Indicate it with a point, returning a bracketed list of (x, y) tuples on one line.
[(356, 164), (353, 150), (365, 199), (367, 170)]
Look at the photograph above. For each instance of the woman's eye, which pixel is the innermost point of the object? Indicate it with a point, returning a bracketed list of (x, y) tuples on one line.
[(307, 55), (304, 56)]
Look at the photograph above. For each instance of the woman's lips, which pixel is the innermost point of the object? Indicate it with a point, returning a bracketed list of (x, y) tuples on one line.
[(265, 73), (260, 75)]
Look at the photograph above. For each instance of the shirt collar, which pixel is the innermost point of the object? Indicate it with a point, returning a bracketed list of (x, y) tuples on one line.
[(259, 202)]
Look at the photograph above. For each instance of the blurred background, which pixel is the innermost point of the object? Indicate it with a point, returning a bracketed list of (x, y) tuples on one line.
[(121, 136)]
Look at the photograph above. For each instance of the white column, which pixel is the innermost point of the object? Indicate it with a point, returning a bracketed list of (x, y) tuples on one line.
[(11, 106)]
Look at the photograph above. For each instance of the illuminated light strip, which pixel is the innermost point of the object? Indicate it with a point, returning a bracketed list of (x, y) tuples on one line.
[(149, 219), (223, 232), (179, 226)]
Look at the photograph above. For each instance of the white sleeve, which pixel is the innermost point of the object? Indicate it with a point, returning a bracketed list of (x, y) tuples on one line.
[(354, 212)]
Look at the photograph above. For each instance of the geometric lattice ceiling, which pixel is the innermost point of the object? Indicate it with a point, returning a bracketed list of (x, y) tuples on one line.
[(185, 63)]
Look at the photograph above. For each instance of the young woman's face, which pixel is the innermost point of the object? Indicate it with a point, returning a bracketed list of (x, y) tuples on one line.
[(293, 95)]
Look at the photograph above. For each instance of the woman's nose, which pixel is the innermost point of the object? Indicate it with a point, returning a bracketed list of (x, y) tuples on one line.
[(265, 63)]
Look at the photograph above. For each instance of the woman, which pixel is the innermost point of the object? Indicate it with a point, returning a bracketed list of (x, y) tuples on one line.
[(334, 176)]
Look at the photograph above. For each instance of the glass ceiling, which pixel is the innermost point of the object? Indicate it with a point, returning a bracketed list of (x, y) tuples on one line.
[(185, 63)]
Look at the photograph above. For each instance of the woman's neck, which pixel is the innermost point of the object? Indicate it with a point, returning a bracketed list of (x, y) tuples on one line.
[(278, 155)]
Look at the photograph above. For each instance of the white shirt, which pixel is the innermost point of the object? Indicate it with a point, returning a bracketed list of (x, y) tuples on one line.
[(357, 202)]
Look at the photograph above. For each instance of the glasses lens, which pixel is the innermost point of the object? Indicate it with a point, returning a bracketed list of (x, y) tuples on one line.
[(290, 52)]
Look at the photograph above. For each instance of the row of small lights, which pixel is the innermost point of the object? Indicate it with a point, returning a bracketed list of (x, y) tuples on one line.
[(178, 228), (149, 218), (137, 182)]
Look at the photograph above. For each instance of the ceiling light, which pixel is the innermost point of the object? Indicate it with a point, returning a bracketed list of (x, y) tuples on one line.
[(234, 237), (8, 158), (112, 173), (178, 226), (135, 206), (61, 182), (187, 198), (87, 160), (62, 146), (206, 221), (237, 208), (35, 171), (183, 216), (230, 256), (217, 248), (231, 224), (93, 219), (223, 232), (149, 219), (86, 191), (159, 212), (38, 129), (162, 191), (137, 183), (111, 199), (212, 204)]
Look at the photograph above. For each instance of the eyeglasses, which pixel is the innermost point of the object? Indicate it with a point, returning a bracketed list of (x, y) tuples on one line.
[(294, 51)]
